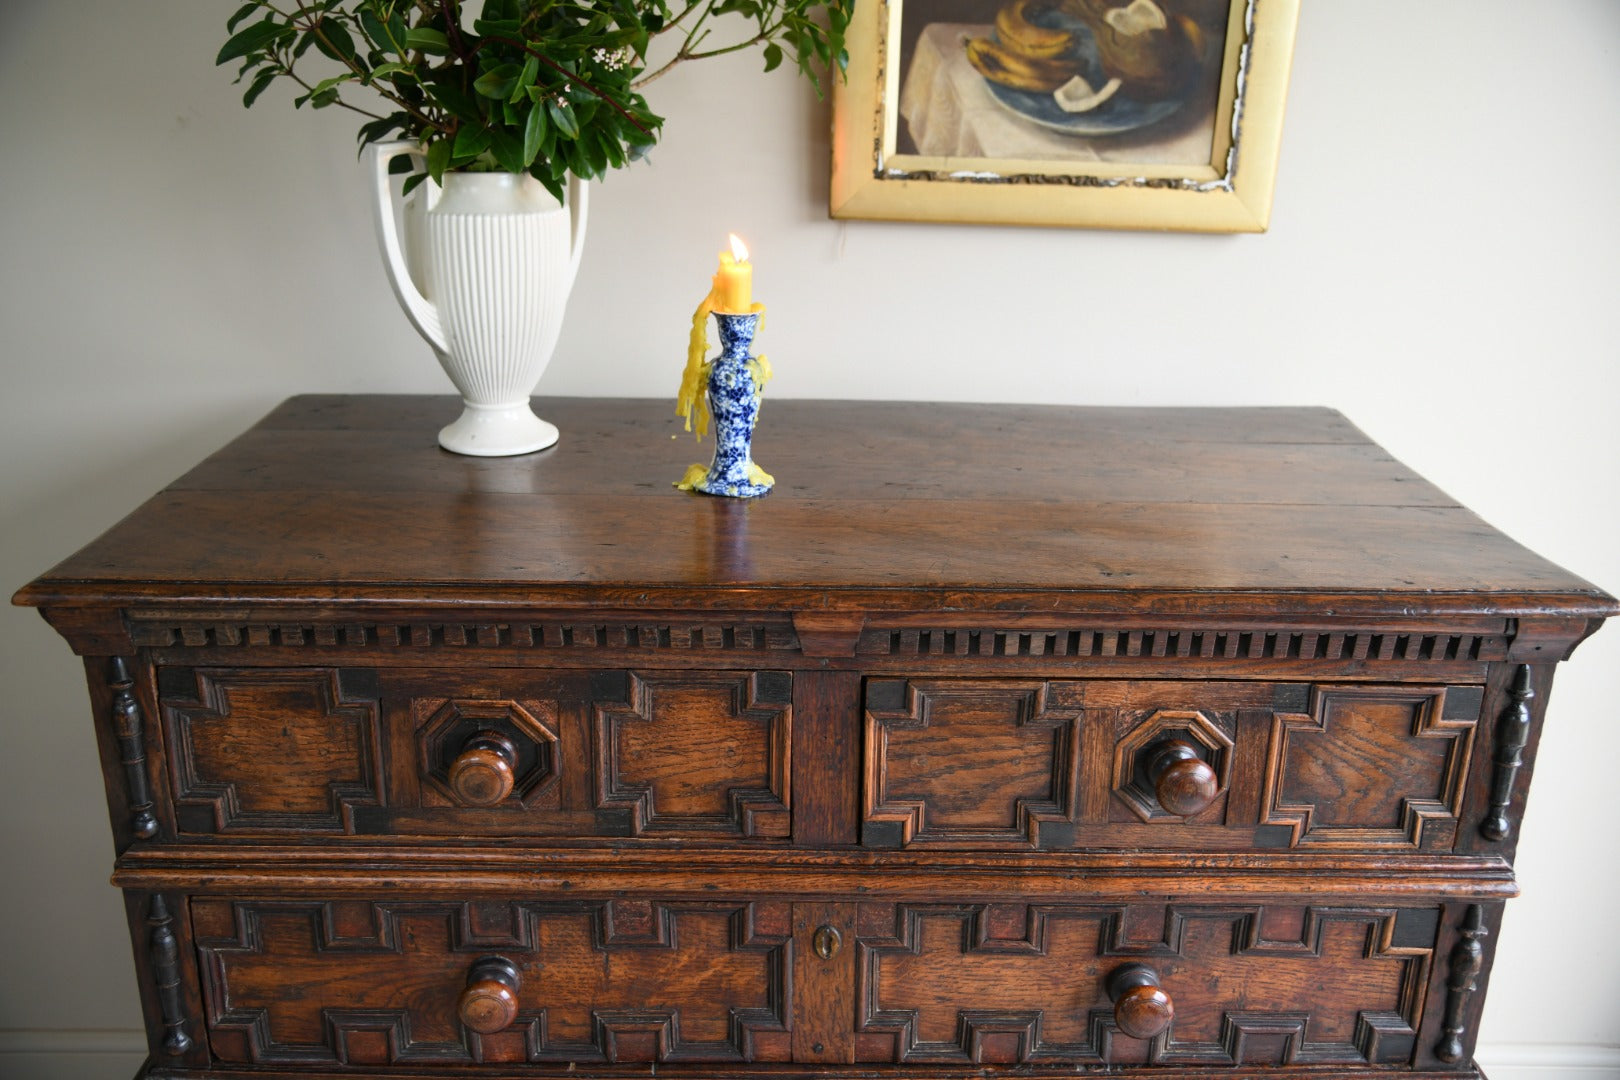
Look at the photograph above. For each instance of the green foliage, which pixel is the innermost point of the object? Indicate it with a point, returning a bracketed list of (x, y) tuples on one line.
[(546, 87)]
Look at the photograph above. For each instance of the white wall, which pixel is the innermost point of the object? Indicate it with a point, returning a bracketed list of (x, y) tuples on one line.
[(1442, 266)]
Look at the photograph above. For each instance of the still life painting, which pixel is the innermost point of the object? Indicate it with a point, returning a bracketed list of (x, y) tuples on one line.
[(1105, 113)]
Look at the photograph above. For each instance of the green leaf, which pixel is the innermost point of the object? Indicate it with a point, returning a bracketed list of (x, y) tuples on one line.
[(264, 79), (470, 142), (497, 83), (382, 71), (438, 159), (552, 184), (323, 98), (615, 152), (241, 13), (413, 183), (773, 56), (508, 150), (373, 130), (333, 39), (377, 31), (256, 37), (526, 78), (331, 85), (534, 135), (562, 114), (429, 41), (456, 103)]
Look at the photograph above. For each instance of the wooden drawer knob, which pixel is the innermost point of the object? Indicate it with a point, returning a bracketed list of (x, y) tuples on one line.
[(1184, 783), (490, 1001), (485, 771), (1141, 1007)]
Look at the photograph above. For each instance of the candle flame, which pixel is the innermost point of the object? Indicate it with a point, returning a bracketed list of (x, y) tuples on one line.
[(739, 250)]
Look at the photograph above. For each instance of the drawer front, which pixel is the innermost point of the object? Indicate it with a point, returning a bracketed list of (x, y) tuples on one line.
[(1142, 984), (472, 754), (359, 982), (1060, 764), (355, 982)]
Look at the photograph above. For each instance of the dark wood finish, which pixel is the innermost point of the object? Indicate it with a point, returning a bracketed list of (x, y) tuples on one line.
[(975, 763), (826, 759), (226, 726), (824, 983), (1512, 732), (165, 948), (698, 753), (1418, 739), (996, 738), (1466, 961), (357, 982), (1238, 507), (1009, 983), (1183, 782), (1141, 1007), (130, 730), (489, 1003), (485, 771)]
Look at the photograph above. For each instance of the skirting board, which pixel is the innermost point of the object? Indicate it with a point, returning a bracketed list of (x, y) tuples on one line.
[(115, 1055), (1548, 1061)]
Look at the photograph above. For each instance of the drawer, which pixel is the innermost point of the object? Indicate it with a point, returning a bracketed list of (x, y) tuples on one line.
[(357, 982), (996, 764), (351, 982), (1144, 984), (262, 752)]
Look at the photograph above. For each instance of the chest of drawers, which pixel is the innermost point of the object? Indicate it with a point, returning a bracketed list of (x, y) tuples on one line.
[(997, 741)]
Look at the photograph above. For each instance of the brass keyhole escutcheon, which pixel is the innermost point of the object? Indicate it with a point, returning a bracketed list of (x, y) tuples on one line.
[(827, 941)]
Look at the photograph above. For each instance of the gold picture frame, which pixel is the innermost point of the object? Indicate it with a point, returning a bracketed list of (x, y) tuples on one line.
[(982, 152)]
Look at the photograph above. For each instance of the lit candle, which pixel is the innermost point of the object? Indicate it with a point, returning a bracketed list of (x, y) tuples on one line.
[(734, 283)]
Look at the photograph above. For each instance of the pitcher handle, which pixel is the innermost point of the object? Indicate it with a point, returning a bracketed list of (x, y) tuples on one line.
[(578, 197), (423, 315)]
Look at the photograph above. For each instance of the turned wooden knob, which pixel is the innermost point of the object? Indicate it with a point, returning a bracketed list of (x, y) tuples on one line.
[(485, 770), (490, 1001), (1141, 1007), (1184, 782)]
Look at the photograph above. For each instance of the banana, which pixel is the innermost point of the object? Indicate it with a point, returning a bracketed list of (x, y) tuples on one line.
[(1023, 37), (1001, 65)]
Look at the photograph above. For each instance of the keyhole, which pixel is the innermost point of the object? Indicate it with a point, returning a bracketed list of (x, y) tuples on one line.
[(826, 942)]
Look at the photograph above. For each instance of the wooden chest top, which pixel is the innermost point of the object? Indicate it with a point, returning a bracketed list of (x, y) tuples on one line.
[(923, 507)]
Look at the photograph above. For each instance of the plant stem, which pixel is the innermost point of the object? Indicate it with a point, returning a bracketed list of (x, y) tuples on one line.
[(571, 77), (315, 28), (686, 52), (677, 20)]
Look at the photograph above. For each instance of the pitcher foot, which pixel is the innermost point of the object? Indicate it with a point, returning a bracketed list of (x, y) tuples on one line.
[(497, 431)]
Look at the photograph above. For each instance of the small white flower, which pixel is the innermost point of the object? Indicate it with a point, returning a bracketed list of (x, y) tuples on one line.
[(614, 60)]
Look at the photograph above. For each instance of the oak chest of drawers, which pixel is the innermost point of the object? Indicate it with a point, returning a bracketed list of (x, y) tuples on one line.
[(997, 741)]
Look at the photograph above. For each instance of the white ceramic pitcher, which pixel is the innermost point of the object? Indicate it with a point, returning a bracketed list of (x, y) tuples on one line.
[(491, 260)]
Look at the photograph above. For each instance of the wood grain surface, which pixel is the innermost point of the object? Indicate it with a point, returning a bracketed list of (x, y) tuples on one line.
[(332, 496)]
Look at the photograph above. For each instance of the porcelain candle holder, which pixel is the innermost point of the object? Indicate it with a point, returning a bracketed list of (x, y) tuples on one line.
[(735, 386)]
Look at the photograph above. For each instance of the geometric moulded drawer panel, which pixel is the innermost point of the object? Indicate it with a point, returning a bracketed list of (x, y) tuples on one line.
[(1011, 983), (261, 750), (1371, 766), (513, 752), (353, 982), (976, 763)]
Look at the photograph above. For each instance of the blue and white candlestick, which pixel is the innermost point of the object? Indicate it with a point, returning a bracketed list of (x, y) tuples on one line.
[(735, 385)]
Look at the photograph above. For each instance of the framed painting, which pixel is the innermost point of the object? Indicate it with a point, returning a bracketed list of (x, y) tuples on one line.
[(1118, 114)]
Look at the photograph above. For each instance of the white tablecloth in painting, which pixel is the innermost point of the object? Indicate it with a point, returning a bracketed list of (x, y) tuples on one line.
[(952, 113)]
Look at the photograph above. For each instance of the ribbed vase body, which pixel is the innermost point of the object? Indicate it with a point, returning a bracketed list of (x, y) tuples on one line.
[(494, 261)]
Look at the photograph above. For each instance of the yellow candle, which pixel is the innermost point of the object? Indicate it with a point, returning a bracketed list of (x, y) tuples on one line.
[(734, 283)]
